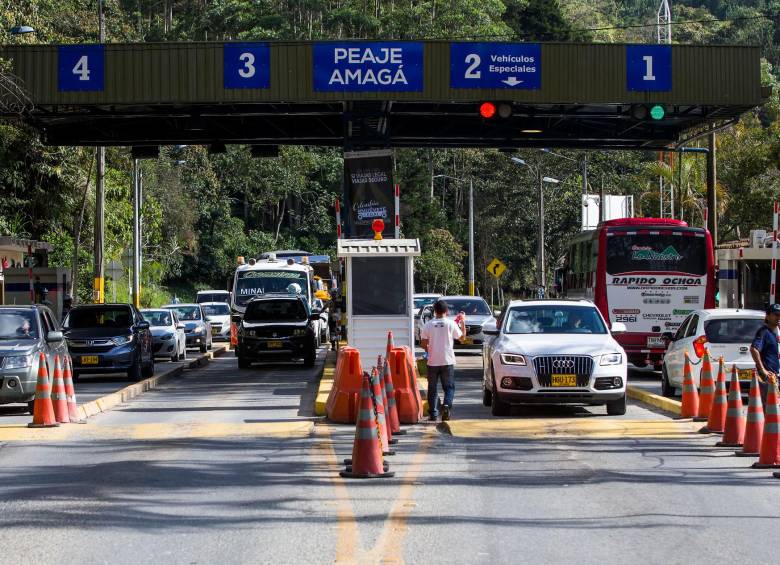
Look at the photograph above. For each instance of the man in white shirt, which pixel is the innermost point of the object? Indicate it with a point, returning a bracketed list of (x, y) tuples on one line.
[(437, 338)]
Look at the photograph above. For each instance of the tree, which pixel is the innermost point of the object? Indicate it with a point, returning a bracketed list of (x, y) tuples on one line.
[(440, 267)]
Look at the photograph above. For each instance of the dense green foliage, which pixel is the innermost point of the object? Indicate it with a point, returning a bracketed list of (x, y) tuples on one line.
[(201, 210)]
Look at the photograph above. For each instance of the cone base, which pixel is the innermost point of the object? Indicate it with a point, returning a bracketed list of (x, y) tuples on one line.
[(348, 463), (392, 441), (701, 419), (43, 425), (400, 432), (678, 418), (746, 454), (728, 444), (386, 453), (758, 465), (351, 475)]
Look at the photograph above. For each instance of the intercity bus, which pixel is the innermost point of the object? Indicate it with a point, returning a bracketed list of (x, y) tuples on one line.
[(647, 273)]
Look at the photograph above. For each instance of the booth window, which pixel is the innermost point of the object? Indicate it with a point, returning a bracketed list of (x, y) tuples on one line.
[(379, 286)]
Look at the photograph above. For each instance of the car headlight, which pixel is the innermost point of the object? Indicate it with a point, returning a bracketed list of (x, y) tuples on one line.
[(122, 340), (299, 331), (166, 337), (18, 361), (198, 330), (512, 359), (612, 359)]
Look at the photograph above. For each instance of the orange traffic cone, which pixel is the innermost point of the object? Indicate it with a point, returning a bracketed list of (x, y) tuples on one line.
[(390, 345), (769, 456), (734, 432), (58, 397), (383, 389), (70, 393), (754, 430), (379, 410), (716, 421), (43, 411), (366, 460), (392, 410), (690, 396), (706, 388)]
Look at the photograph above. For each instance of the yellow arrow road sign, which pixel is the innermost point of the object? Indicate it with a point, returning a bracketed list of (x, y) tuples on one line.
[(496, 268)]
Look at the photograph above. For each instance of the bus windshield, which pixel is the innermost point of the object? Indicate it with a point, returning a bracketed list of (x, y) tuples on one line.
[(654, 253), (256, 283)]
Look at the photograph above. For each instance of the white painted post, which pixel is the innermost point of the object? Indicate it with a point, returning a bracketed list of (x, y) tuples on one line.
[(338, 218), (398, 211)]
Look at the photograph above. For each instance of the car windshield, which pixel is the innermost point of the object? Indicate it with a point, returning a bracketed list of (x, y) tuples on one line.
[(158, 318), (91, 317), (216, 309), (256, 283), (554, 320), (420, 302), (186, 313), (18, 324), (732, 330), (213, 297), (470, 306), (275, 311)]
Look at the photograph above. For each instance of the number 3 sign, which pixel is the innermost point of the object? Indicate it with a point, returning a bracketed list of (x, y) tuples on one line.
[(246, 65), (80, 67)]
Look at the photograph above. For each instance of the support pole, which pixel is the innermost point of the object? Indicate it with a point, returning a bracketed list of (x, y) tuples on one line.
[(136, 234), (712, 197), (98, 289), (540, 265), (471, 238)]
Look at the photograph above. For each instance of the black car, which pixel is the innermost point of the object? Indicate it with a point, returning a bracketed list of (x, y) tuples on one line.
[(277, 328), (109, 338)]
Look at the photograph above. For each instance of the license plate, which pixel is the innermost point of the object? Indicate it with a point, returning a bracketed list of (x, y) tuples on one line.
[(89, 359), (655, 342), (467, 341), (214, 331), (564, 380), (274, 345), (745, 374)]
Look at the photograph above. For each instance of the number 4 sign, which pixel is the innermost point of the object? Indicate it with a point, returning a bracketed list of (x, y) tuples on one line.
[(649, 68), (246, 65), (80, 68)]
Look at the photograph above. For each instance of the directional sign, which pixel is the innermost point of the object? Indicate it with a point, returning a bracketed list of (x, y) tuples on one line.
[(246, 65), (368, 66), (496, 65), (80, 67), (649, 68), (496, 268)]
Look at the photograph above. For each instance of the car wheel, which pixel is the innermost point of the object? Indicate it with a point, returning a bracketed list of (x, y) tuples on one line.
[(203, 348), (487, 396), (667, 389), (76, 376), (211, 344), (310, 358), (134, 372), (148, 370), (617, 407), (243, 363), (175, 356), (183, 354), (497, 406), (31, 406)]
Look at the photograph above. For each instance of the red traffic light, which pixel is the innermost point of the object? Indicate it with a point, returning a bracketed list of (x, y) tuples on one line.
[(487, 110)]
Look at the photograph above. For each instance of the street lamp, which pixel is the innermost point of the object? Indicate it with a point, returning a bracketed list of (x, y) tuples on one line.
[(472, 290), (541, 275)]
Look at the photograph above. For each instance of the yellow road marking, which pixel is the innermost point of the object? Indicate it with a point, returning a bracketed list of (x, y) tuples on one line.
[(598, 428), (160, 431)]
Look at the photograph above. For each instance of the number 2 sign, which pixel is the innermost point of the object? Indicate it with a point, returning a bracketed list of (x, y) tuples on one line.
[(246, 65), (649, 68), (80, 68)]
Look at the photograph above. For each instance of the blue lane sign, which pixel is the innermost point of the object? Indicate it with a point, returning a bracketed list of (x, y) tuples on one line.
[(496, 65), (368, 66), (247, 65), (80, 67), (649, 68)]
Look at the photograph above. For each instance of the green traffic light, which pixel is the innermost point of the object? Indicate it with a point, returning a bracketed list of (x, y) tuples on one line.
[(657, 112)]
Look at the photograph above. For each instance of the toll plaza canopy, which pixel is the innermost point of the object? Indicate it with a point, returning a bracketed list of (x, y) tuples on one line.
[(382, 93)]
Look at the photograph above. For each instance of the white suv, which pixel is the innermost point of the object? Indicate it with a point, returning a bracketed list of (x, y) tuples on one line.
[(553, 352)]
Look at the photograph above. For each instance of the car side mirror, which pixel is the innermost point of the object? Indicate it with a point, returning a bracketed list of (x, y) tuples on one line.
[(54, 336), (619, 328), (668, 336), (142, 326)]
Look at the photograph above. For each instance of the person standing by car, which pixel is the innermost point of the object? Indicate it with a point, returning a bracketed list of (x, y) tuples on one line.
[(437, 338), (764, 349)]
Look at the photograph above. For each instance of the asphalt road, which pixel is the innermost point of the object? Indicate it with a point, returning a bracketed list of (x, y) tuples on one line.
[(229, 466)]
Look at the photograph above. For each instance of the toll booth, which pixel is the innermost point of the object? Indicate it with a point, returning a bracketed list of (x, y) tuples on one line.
[(49, 286), (379, 293)]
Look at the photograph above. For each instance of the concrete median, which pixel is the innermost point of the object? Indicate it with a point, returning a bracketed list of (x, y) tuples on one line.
[(655, 400)]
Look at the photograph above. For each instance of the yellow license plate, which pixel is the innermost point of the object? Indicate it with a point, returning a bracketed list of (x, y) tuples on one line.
[(214, 331), (745, 374), (467, 341), (564, 380), (274, 345), (89, 360)]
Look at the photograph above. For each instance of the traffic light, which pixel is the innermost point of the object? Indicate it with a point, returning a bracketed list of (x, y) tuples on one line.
[(491, 110), (645, 112), (657, 112)]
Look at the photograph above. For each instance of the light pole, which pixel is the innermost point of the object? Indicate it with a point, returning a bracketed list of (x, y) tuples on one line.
[(99, 290), (541, 274), (472, 286)]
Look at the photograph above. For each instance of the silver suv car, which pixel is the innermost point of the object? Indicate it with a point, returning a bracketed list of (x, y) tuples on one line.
[(25, 333)]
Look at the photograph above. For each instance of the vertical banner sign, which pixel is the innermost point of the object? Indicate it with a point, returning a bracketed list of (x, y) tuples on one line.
[(496, 65), (649, 68), (80, 68), (368, 66), (246, 65), (369, 192)]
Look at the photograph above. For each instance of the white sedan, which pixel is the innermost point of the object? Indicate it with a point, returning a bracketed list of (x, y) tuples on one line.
[(726, 332), (553, 352)]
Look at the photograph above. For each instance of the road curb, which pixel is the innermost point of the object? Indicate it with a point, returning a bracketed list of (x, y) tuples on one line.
[(656, 400), (326, 383), (109, 401)]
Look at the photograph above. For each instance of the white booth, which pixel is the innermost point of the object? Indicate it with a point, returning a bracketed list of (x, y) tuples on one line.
[(379, 292)]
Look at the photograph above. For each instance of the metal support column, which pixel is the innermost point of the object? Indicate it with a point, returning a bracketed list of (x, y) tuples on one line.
[(98, 289), (540, 265), (472, 290), (712, 197), (136, 233)]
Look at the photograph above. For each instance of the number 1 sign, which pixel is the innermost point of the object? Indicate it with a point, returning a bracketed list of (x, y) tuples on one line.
[(80, 68), (247, 65), (649, 68)]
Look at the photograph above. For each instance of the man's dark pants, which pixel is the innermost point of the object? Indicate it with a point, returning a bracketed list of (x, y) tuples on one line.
[(445, 374)]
